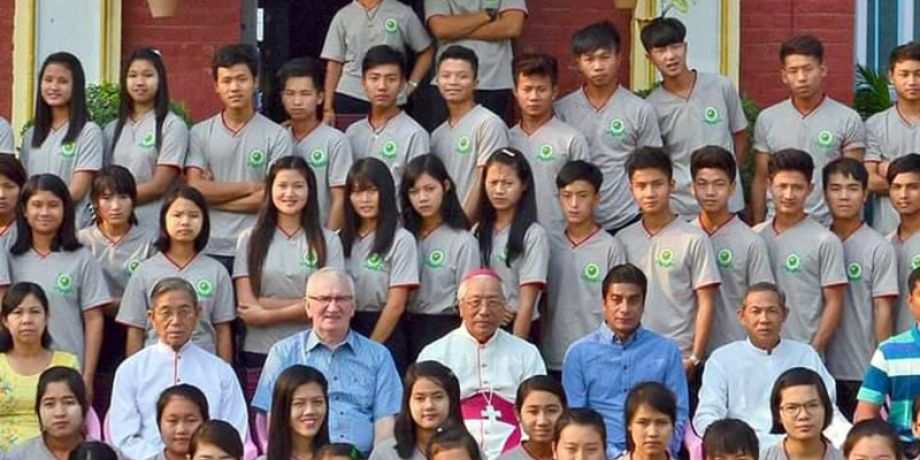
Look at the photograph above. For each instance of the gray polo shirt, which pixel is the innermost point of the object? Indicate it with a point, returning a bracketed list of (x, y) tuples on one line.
[(395, 144), (872, 271), (329, 155), (230, 156), (494, 57), (136, 150), (574, 302), (806, 258), (7, 144), (73, 282), (354, 30), (677, 260), (547, 150), (468, 145), (623, 125), (375, 274), (211, 282), (288, 265), (445, 257), (889, 136), (529, 267), (33, 449), (825, 133), (908, 253), (119, 258), (711, 115), (743, 260)]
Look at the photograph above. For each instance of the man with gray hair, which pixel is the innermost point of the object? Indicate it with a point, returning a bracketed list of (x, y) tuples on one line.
[(173, 359), (365, 391), (489, 363)]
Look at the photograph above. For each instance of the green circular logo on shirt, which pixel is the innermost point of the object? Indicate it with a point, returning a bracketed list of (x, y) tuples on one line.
[(503, 255), (617, 127), (464, 144), (64, 283), (793, 263), (310, 259), (132, 265), (390, 25), (436, 258), (915, 262), (318, 158), (725, 257), (204, 288), (68, 149), (374, 262), (389, 149), (665, 258), (591, 272), (825, 138), (854, 271), (546, 152), (256, 158), (711, 115), (148, 140)]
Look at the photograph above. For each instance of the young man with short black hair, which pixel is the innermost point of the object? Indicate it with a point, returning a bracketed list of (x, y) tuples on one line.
[(904, 177)]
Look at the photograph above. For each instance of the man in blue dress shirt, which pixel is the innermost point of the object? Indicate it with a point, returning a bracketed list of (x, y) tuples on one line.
[(601, 368)]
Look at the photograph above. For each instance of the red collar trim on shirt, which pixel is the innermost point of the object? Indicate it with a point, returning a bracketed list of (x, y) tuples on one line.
[(39, 253), (235, 132), (650, 234), (777, 232), (289, 235), (6, 227), (110, 240), (716, 230), (176, 264), (604, 105), (583, 240), (813, 110)]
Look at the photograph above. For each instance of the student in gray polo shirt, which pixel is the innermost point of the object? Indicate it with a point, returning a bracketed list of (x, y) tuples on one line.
[(894, 132), (324, 148), (809, 121), (230, 152), (546, 142), (872, 271), (358, 26), (61, 406), (741, 254), (904, 177), (387, 133), (807, 259), (614, 120), (695, 109), (471, 132), (676, 256)]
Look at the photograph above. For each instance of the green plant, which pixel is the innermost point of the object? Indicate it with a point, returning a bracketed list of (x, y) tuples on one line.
[(872, 94)]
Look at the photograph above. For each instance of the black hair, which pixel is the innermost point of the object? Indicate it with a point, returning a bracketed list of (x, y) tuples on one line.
[(66, 237), (160, 100), (192, 194), (539, 383), (650, 158), (525, 213), (913, 280), (803, 45), (540, 64), (460, 53), (453, 437), (625, 273), (600, 35), (239, 53), (663, 31), (116, 180), (267, 221), (61, 374), (581, 416), (451, 211), (93, 450), (187, 392), (909, 51), (339, 449), (765, 286), (869, 428), (371, 173), (11, 168), (576, 170), (380, 55), (79, 114), (846, 167), (791, 160), (730, 436), (654, 395), (220, 434), (713, 157), (11, 300), (302, 67), (909, 163), (799, 376), (441, 375), (280, 438)]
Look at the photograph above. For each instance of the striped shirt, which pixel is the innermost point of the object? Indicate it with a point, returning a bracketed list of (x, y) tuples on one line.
[(893, 373)]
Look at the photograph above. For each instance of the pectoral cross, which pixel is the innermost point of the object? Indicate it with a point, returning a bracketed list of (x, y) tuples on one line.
[(490, 413)]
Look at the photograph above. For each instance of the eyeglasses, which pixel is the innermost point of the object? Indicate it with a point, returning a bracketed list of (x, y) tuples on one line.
[(792, 410), (491, 303), (328, 299), (179, 314)]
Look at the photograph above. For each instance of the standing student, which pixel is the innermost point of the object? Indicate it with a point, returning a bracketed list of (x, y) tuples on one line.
[(12, 179), (545, 141), (580, 434), (447, 250), (230, 152), (894, 132), (181, 409), (802, 410), (48, 253), (872, 272), (216, 439), (147, 138), (184, 230), (381, 257), (539, 403), (63, 141), (354, 30), (613, 119), (471, 132), (387, 133), (325, 148), (904, 177), (807, 259), (650, 419), (511, 241), (275, 258), (299, 422), (695, 109), (579, 260), (741, 254), (809, 121)]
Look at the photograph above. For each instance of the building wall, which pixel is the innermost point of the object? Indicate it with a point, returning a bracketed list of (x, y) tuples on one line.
[(7, 10)]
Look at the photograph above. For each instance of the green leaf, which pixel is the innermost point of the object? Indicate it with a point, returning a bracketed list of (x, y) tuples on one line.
[(872, 93)]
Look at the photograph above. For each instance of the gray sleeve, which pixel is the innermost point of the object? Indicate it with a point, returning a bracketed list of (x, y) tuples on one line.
[(830, 253), (335, 255), (885, 273), (703, 268), (467, 257), (25, 148), (535, 261), (89, 149), (616, 254), (855, 135), (737, 121), (5, 279), (419, 144), (578, 149), (404, 264), (508, 5), (6, 137), (334, 46), (416, 35), (436, 8), (874, 149), (94, 291), (108, 142), (224, 303), (174, 145), (759, 267), (761, 143), (340, 161), (197, 143), (282, 144), (133, 308), (649, 135), (241, 259), (491, 136)]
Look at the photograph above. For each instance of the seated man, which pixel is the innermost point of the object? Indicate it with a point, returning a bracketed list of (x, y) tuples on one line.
[(601, 368), (489, 363), (364, 389), (132, 417)]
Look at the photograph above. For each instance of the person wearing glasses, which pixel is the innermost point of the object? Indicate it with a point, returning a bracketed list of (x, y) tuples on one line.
[(365, 390), (801, 409), (489, 363)]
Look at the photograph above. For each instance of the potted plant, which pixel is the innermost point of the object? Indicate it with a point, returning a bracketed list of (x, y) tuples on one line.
[(163, 8)]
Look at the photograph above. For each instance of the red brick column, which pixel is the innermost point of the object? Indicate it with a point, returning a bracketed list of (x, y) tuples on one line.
[(7, 8)]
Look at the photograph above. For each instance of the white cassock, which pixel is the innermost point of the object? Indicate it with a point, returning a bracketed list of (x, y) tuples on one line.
[(489, 376), (144, 375)]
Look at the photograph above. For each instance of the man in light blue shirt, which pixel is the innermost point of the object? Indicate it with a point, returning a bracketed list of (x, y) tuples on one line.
[(601, 368), (365, 390)]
